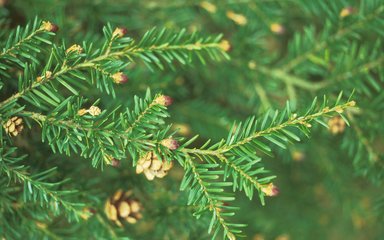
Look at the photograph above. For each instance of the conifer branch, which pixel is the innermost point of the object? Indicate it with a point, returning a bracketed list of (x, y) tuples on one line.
[(22, 38), (36, 189), (339, 35), (213, 205)]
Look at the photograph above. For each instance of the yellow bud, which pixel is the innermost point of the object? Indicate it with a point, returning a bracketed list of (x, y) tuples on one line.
[(345, 12), (82, 111), (225, 45), (48, 74), (119, 32), (270, 190), (352, 103), (239, 19), (75, 48), (208, 6), (277, 28), (252, 65), (49, 27)]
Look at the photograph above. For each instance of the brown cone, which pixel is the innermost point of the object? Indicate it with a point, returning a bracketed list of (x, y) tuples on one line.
[(14, 126), (123, 207), (153, 167)]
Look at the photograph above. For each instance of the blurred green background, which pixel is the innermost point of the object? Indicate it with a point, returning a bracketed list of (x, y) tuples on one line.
[(322, 196)]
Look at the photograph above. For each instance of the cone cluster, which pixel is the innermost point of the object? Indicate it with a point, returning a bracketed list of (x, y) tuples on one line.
[(14, 126), (123, 207), (152, 166)]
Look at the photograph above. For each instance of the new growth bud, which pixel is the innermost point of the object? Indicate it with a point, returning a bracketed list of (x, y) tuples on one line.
[(74, 48), (49, 27), (170, 143), (277, 28), (352, 103), (345, 12), (225, 45), (120, 78), (239, 19), (270, 190), (119, 32), (164, 100)]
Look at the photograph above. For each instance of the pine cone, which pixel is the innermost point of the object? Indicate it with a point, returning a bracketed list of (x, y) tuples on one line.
[(14, 126), (152, 166), (121, 206)]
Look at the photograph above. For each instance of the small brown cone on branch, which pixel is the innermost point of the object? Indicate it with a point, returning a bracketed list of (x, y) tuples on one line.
[(152, 167), (336, 125), (123, 207), (14, 126)]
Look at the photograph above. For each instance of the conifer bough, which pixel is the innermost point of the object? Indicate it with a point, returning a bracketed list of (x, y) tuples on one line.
[(49, 94)]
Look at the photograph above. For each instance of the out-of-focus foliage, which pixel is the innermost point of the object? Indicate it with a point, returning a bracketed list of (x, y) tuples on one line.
[(280, 50)]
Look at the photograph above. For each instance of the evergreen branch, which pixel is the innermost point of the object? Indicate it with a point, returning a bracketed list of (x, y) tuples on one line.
[(292, 122), (209, 198), (366, 67), (109, 135), (300, 121), (36, 189), (167, 47), (23, 38), (23, 44), (237, 154), (373, 157), (339, 35)]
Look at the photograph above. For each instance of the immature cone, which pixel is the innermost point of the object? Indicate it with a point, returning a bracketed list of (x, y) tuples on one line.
[(152, 167), (270, 190), (170, 143), (164, 100), (123, 207), (120, 78), (14, 126), (336, 125), (49, 27)]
